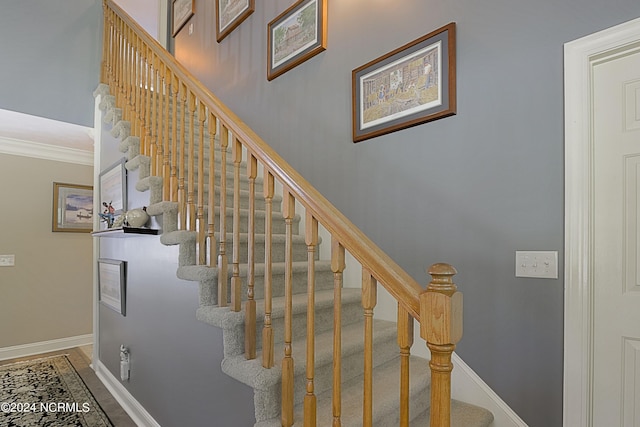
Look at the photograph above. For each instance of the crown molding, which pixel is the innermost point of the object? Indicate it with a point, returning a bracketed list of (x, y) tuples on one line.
[(37, 150)]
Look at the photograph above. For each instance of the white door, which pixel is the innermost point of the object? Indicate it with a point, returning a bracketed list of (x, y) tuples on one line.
[(616, 240)]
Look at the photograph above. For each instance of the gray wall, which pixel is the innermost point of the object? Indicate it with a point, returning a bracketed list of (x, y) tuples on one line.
[(175, 359), (51, 52), (469, 190), (145, 12), (47, 294)]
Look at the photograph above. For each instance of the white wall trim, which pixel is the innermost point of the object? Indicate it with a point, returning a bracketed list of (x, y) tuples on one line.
[(97, 167), (37, 150), (468, 387), (44, 346), (163, 23), (136, 411), (579, 56)]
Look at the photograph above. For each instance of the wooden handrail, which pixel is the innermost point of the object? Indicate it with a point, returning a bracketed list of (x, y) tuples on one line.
[(395, 280)]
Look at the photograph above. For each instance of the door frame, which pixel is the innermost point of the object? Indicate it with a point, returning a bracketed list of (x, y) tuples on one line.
[(580, 56)]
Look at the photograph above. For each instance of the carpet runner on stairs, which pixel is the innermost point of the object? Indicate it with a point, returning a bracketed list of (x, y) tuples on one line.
[(266, 382)]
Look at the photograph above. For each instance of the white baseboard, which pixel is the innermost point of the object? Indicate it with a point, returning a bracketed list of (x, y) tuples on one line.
[(131, 406), (45, 346), (468, 387)]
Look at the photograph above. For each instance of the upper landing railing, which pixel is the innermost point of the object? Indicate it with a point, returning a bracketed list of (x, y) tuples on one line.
[(172, 113)]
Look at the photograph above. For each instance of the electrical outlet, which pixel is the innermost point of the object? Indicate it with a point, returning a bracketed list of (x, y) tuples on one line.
[(540, 264), (7, 260)]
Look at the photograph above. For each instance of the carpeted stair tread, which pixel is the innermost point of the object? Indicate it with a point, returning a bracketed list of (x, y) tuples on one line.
[(352, 362), (386, 386), (222, 317), (187, 239), (233, 327), (208, 276), (462, 415)]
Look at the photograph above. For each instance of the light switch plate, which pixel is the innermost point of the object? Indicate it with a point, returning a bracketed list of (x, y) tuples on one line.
[(540, 264), (7, 260)]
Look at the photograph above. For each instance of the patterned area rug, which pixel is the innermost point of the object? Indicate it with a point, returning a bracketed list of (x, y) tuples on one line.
[(47, 392)]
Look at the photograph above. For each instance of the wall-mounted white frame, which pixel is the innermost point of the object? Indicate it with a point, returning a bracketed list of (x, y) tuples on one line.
[(113, 188), (112, 284)]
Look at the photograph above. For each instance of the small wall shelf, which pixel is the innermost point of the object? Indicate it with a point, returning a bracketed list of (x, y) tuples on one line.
[(125, 232)]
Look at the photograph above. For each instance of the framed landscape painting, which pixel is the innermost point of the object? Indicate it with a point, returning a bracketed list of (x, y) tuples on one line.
[(298, 34), (181, 12), (413, 84), (230, 14), (72, 207)]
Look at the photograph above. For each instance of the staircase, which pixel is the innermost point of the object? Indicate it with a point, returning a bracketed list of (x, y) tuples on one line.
[(307, 343)]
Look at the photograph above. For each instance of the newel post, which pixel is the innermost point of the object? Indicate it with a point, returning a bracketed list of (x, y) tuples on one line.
[(441, 328)]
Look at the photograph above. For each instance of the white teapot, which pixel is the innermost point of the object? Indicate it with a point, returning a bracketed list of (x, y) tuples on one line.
[(136, 217)]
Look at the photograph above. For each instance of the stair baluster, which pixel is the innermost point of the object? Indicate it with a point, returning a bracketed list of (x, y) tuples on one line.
[(140, 88), (182, 201), (191, 157), (118, 67), (202, 231), (124, 72), (130, 45), (289, 211), (153, 96), (236, 282), (166, 165), (124, 68), (311, 239), (175, 89), (150, 101), (222, 251), (106, 42), (137, 53), (369, 301), (213, 123), (146, 62), (268, 358), (250, 304), (405, 341), (337, 267)]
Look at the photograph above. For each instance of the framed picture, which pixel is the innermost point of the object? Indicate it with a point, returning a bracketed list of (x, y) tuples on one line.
[(298, 34), (72, 208), (181, 11), (112, 284), (113, 192), (414, 84), (230, 13)]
